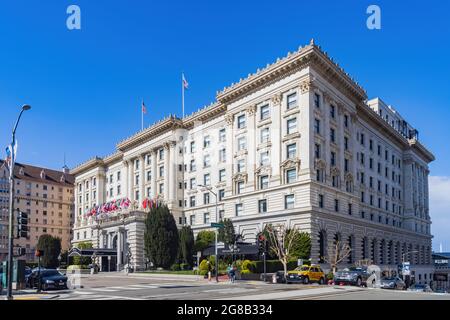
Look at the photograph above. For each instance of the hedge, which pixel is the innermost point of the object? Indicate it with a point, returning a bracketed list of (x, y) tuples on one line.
[(273, 266)]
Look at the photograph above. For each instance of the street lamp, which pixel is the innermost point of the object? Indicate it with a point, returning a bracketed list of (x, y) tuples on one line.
[(11, 206), (209, 188)]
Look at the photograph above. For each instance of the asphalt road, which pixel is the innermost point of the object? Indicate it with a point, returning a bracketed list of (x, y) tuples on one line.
[(132, 287)]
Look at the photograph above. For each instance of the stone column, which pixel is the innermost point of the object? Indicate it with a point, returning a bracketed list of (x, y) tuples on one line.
[(130, 179), (229, 119), (166, 172), (124, 179), (275, 138), (154, 173), (142, 179), (253, 157), (172, 178)]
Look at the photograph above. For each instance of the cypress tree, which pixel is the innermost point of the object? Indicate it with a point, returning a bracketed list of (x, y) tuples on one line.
[(186, 249), (161, 237), (52, 248), (227, 234)]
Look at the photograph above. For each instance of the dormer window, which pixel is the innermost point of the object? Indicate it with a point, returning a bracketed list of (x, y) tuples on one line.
[(42, 174)]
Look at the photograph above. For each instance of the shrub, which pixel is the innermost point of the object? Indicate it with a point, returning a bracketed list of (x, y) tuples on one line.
[(273, 266), (248, 265), (330, 276), (203, 266), (184, 266), (245, 271), (175, 267)]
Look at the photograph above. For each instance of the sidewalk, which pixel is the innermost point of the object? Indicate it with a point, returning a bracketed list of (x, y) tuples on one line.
[(30, 294)]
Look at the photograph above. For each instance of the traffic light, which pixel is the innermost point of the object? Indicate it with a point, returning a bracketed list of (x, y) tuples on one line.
[(262, 244), (22, 224)]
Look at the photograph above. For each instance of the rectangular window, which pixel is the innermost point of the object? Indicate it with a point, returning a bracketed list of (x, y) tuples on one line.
[(206, 142), (336, 205), (192, 146), (192, 219), (346, 165), (350, 212), (221, 194), (332, 135), (161, 188), (192, 201), (262, 206), (264, 158), (242, 145), (317, 126), (221, 175), (192, 166), (332, 111), (263, 182), (206, 198), (289, 201), (291, 100), (320, 200), (161, 171), (264, 112), (149, 176), (241, 121), (317, 150), (222, 155), (240, 187), (206, 179), (265, 135), (317, 100), (161, 154), (291, 125), (238, 209), (206, 218), (346, 121), (222, 135), (206, 161), (291, 175), (241, 165), (291, 150), (192, 183), (333, 158)]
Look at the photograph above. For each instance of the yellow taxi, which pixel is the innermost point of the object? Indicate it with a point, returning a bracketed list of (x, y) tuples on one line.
[(306, 274)]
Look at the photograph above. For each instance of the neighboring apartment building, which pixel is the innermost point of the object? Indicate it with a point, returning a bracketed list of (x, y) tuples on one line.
[(47, 196), (441, 279), (295, 143)]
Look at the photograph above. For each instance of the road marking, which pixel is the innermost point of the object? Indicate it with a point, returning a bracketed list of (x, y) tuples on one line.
[(144, 286), (124, 288), (82, 292), (103, 289)]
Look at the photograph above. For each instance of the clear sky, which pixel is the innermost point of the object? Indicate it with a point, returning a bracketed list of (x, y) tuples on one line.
[(86, 86)]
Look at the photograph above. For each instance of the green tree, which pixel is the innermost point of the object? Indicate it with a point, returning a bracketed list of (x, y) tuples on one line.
[(302, 245), (83, 261), (186, 248), (227, 234), (52, 248), (161, 237), (204, 239)]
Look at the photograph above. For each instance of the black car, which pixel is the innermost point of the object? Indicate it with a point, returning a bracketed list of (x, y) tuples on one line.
[(354, 276), (49, 279)]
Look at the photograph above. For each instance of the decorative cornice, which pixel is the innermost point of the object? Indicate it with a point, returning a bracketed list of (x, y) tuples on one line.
[(251, 110)]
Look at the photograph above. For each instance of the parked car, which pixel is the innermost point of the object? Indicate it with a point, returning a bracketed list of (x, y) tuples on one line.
[(354, 276), (49, 279), (420, 288), (306, 274), (393, 283), (28, 275)]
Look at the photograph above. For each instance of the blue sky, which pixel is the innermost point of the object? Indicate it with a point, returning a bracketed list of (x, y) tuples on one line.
[(86, 85)]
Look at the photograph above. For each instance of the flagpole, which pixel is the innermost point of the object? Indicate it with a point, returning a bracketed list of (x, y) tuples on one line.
[(182, 93), (142, 115)]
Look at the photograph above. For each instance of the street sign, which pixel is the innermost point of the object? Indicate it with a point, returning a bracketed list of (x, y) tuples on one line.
[(217, 225)]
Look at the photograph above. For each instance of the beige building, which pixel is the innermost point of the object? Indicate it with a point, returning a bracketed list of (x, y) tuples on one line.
[(47, 196), (298, 142)]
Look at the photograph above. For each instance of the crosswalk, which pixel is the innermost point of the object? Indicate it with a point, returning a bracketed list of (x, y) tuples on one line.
[(107, 293)]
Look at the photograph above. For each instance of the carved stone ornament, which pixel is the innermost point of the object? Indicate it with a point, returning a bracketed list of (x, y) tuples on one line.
[(291, 163), (240, 176), (320, 164), (229, 119), (334, 171), (340, 108), (277, 98), (306, 85), (251, 110), (263, 170), (348, 176)]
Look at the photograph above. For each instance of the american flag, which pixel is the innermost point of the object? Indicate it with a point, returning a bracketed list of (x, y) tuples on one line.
[(185, 83), (144, 109)]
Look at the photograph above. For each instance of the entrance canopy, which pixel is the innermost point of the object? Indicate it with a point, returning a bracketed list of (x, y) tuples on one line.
[(76, 252)]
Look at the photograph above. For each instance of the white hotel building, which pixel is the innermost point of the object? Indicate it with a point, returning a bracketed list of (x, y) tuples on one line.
[(298, 142)]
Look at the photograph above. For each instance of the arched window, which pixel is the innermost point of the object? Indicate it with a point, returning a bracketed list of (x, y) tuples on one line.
[(364, 247), (383, 252), (351, 256), (374, 251)]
